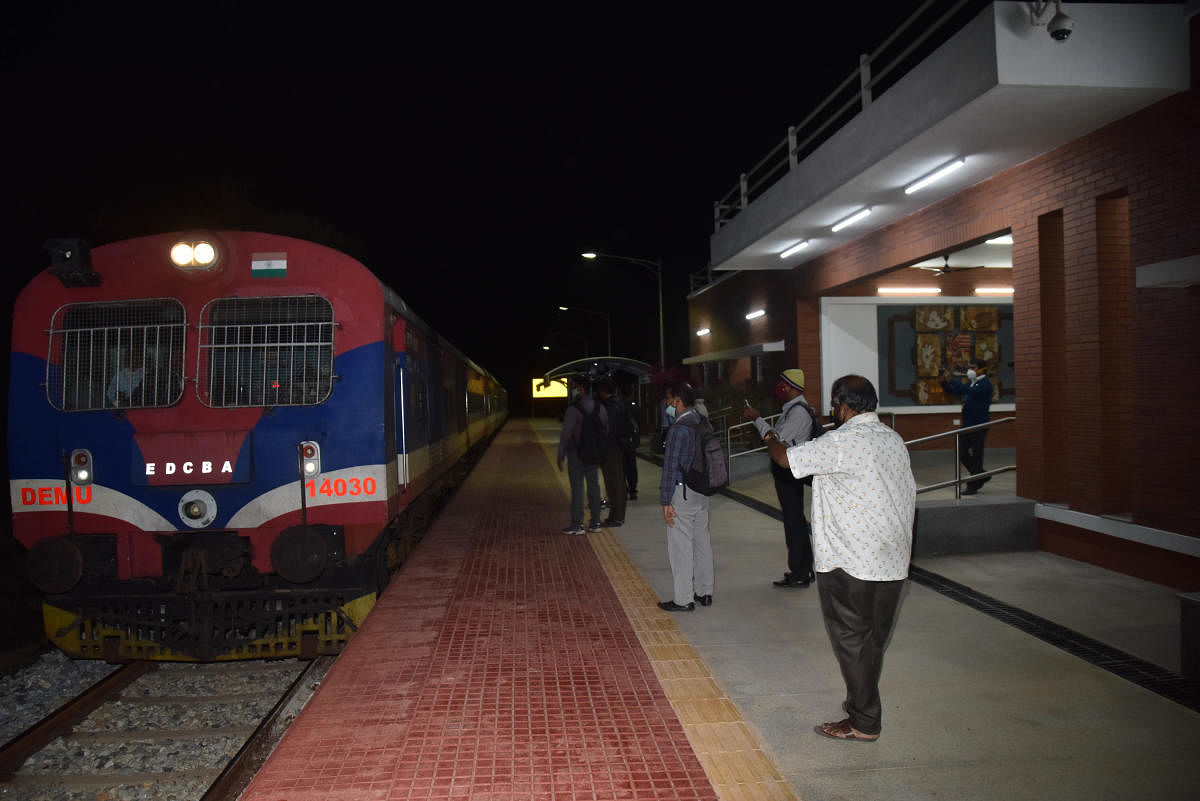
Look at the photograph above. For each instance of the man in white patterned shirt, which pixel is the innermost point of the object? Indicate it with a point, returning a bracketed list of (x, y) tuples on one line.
[(863, 501)]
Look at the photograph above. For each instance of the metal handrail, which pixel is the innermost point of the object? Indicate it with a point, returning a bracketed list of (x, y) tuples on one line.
[(958, 479), (763, 174), (729, 437)]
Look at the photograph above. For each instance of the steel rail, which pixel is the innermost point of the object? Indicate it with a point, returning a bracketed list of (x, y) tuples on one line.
[(59, 723), (254, 752)]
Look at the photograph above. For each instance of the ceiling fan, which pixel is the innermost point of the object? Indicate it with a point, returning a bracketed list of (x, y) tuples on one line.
[(946, 269)]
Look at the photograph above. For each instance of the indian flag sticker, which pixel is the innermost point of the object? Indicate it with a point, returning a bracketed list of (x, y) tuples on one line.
[(268, 265)]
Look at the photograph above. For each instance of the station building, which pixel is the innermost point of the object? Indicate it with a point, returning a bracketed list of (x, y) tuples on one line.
[(1078, 189)]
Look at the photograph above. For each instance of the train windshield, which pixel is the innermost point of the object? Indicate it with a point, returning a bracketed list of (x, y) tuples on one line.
[(116, 355), (272, 351)]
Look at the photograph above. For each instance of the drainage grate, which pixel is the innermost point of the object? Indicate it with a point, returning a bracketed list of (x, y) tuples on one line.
[(1149, 676), (1142, 673)]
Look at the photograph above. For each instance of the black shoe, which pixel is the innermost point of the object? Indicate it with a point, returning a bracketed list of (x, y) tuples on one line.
[(704, 600), (970, 490), (632, 495), (610, 523), (791, 580), (671, 606)]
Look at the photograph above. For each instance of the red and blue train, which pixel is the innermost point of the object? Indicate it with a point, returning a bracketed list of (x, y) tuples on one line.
[(217, 441)]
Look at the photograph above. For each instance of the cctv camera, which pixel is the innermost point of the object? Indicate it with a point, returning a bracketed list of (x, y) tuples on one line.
[(1060, 27)]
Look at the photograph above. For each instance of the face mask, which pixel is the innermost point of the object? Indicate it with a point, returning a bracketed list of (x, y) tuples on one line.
[(671, 411), (971, 375)]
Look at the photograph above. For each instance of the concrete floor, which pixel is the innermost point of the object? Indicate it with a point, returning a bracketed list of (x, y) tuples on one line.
[(973, 708)]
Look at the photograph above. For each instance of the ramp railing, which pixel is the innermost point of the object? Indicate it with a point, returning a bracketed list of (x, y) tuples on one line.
[(959, 478)]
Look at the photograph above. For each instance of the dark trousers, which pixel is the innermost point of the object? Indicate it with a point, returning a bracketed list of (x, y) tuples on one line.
[(614, 482), (629, 462), (970, 453), (796, 531), (859, 616)]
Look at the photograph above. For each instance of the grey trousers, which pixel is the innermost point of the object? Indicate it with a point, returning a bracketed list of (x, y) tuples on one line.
[(688, 546), (859, 616), (577, 474)]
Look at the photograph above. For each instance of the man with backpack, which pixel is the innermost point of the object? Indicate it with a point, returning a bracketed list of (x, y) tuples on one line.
[(582, 443), (685, 510), (797, 423), (614, 461)]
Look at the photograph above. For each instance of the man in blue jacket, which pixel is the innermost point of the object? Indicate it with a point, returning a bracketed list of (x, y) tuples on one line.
[(977, 400)]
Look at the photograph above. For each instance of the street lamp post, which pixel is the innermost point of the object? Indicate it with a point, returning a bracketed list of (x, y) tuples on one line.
[(654, 266), (607, 321)]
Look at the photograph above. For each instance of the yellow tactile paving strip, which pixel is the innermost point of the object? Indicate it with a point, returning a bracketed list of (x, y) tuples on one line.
[(728, 749)]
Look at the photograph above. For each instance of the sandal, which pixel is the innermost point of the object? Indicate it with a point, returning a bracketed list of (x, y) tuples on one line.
[(842, 730)]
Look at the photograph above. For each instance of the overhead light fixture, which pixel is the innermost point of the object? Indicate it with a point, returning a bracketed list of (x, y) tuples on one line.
[(562, 308), (853, 218), (588, 255), (756, 314), (1006, 239), (909, 290), (936, 175), (993, 290), (794, 249), (545, 347), (703, 332)]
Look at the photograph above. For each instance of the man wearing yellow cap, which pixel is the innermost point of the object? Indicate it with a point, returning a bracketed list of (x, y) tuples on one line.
[(793, 428)]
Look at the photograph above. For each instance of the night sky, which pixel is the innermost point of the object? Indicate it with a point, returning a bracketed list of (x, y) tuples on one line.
[(466, 157)]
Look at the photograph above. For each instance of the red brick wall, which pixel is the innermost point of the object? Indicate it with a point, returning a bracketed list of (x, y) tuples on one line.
[(1107, 377)]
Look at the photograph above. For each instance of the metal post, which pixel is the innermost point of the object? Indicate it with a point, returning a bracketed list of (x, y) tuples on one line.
[(957, 468), (662, 341), (864, 79)]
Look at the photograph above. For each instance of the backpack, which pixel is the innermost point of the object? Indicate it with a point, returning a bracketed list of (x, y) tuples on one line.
[(634, 431), (623, 428), (815, 431), (593, 439), (818, 428), (708, 472)]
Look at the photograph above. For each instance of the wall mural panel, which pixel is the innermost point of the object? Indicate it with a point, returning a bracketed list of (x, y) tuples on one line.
[(917, 342)]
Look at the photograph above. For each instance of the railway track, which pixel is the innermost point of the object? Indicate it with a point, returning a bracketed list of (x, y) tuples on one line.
[(182, 731)]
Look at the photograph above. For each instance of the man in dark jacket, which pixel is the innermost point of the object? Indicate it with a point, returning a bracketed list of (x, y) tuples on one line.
[(581, 470), (613, 467), (977, 400)]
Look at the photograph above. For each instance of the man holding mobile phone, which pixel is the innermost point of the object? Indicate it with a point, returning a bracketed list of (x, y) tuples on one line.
[(794, 427)]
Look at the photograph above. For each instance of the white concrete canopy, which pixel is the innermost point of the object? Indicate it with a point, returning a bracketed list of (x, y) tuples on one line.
[(998, 93)]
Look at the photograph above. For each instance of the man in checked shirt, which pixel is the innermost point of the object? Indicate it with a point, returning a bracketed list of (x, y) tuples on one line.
[(689, 548), (864, 499)]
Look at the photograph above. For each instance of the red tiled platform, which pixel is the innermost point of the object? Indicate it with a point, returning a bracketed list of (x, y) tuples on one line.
[(497, 665)]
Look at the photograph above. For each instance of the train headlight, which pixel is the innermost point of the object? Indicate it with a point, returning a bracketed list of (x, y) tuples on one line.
[(310, 459), (197, 509), (203, 253), (82, 473), (195, 254), (181, 254)]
